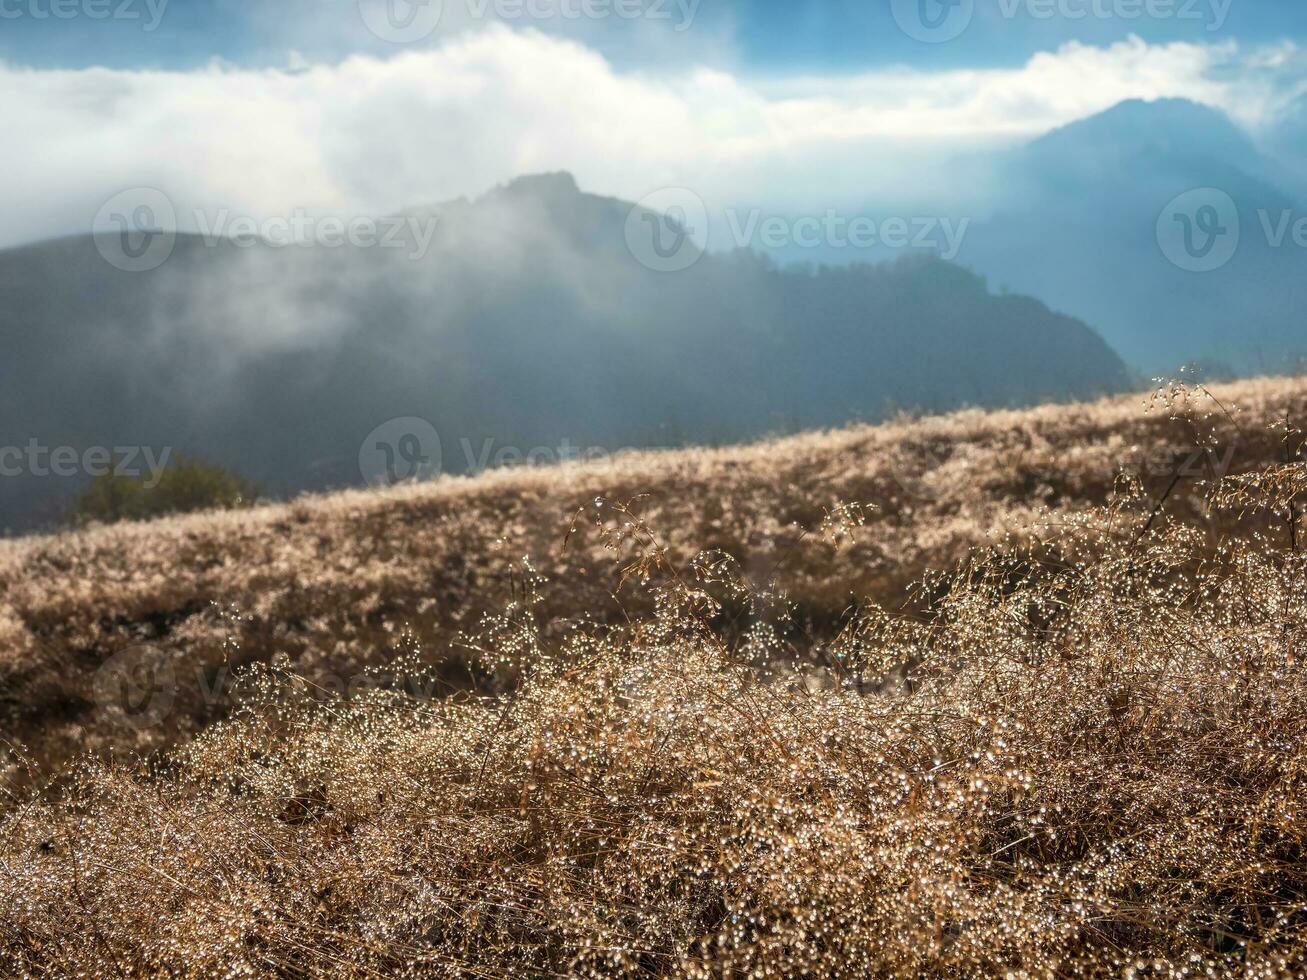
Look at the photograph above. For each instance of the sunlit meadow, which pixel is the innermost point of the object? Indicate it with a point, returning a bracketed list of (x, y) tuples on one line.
[(1015, 693)]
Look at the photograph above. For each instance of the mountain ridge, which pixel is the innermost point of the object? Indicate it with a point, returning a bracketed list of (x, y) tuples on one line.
[(529, 323)]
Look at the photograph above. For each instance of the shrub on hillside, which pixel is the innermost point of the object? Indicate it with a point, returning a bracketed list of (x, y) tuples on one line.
[(187, 484)]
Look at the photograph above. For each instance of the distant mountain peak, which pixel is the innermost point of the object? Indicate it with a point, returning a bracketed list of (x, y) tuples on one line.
[(556, 193), (1174, 109), (1170, 127), (555, 185)]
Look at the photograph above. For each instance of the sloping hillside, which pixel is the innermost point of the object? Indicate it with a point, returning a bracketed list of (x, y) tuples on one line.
[(341, 581), (1079, 754)]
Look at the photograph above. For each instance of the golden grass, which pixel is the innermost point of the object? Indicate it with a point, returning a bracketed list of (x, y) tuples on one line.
[(1077, 751)]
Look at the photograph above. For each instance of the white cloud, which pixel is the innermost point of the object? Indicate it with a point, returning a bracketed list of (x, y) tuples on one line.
[(372, 134)]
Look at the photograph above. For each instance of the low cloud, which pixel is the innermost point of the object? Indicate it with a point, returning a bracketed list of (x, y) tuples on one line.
[(369, 135)]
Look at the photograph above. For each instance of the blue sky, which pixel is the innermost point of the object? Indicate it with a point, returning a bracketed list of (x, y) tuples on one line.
[(758, 36)]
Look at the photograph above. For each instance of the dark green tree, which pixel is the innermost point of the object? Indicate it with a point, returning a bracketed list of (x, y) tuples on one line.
[(186, 484)]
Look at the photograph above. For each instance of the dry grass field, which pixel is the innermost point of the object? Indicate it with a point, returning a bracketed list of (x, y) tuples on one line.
[(1009, 693)]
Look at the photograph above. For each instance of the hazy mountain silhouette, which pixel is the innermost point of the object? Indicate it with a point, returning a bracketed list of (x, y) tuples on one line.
[(527, 323), (1079, 230), (1162, 136), (1288, 141)]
